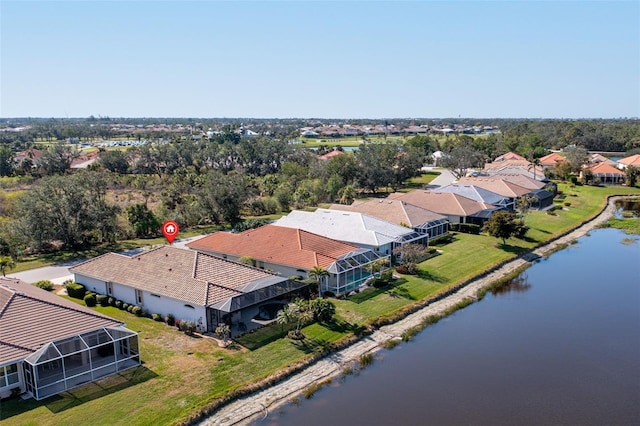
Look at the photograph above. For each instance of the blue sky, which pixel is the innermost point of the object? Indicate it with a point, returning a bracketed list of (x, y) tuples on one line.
[(340, 59)]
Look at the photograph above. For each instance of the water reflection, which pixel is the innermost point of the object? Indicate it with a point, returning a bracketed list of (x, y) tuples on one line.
[(520, 284), (628, 209)]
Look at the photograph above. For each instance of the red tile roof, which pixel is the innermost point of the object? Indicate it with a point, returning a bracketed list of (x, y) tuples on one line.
[(186, 275), (31, 317), (605, 169), (277, 244), (632, 160), (551, 159), (509, 156), (331, 154)]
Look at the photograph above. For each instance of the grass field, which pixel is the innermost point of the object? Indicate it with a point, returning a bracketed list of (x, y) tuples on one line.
[(182, 374)]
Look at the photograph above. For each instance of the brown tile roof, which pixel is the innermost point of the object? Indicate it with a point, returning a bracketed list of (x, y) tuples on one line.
[(632, 160), (445, 203), (331, 154), (494, 184), (394, 211), (509, 156), (186, 275), (507, 163), (277, 244), (605, 169), (31, 317), (551, 159), (522, 180)]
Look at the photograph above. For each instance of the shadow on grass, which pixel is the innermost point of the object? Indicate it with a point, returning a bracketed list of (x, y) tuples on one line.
[(429, 275), (263, 336), (401, 293), (373, 292), (512, 249), (79, 395)]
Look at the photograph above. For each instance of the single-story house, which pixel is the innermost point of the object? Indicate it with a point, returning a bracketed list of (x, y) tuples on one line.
[(606, 173), (480, 194), (421, 220), (359, 229), (295, 252), (457, 208), (632, 160), (187, 284), (532, 172), (49, 345), (509, 156), (548, 161)]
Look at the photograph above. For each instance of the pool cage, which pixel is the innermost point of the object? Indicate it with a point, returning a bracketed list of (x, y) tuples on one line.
[(351, 270), (76, 360)]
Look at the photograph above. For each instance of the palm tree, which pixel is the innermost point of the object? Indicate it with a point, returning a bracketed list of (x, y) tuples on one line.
[(318, 273), (535, 164), (6, 263)]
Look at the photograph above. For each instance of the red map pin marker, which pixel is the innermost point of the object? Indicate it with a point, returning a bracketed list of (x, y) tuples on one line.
[(170, 229)]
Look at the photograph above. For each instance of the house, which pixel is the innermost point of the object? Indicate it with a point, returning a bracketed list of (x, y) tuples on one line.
[(605, 173), (49, 345), (480, 194), (509, 156), (457, 208), (421, 220), (188, 284), (531, 171), (632, 160), (292, 251), (513, 191), (331, 154), (359, 229), (548, 161)]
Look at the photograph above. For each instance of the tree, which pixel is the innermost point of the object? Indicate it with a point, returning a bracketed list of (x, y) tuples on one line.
[(144, 222), (632, 173), (115, 161), (222, 196), (68, 210), (524, 205), (297, 312), (411, 254), (6, 161), (460, 159), (6, 263), (577, 156), (319, 274), (323, 310), (56, 160), (504, 225)]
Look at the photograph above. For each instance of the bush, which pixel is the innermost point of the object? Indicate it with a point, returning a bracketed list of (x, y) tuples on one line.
[(90, 299), (111, 301), (379, 283), (130, 308), (329, 294), (137, 311), (156, 317), (170, 320), (119, 304), (467, 228), (125, 306), (75, 290), (188, 327), (44, 284), (102, 300)]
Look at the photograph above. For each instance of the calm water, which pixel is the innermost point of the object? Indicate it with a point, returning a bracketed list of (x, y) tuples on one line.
[(561, 346)]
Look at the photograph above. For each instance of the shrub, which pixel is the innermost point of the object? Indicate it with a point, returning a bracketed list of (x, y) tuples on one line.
[(44, 284), (156, 317), (130, 308), (170, 320), (379, 283), (567, 204), (366, 359), (188, 327), (75, 290), (111, 301), (102, 300), (119, 304), (90, 299), (137, 311), (178, 324), (329, 294), (125, 306)]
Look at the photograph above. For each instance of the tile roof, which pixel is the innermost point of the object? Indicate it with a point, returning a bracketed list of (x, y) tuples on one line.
[(331, 154), (507, 163), (605, 169), (474, 192), (277, 244), (352, 227), (632, 160), (551, 159), (517, 170), (394, 211), (31, 317), (181, 274), (522, 180), (445, 203), (509, 156), (493, 184)]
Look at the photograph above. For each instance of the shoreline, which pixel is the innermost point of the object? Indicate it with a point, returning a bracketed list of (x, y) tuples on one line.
[(247, 408)]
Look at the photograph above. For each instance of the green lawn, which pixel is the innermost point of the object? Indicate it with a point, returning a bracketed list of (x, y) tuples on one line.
[(182, 374)]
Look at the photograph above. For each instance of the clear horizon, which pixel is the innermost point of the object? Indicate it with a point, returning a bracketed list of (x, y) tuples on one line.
[(327, 60)]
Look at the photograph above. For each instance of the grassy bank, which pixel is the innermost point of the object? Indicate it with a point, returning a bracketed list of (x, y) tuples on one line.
[(182, 375)]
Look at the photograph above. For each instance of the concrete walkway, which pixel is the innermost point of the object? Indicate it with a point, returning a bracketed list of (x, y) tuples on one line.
[(244, 410)]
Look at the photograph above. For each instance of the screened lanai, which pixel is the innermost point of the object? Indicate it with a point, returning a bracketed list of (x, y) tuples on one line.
[(351, 270), (66, 363), (434, 228)]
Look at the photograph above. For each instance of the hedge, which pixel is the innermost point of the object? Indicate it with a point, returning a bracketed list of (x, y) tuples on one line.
[(75, 290)]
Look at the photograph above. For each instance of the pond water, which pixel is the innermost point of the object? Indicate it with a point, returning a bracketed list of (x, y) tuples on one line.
[(560, 345)]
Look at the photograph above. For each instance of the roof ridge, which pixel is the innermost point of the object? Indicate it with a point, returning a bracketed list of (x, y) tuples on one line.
[(69, 308), (6, 305), (24, 348)]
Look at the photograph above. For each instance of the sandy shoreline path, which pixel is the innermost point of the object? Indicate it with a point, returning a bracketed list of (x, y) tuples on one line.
[(258, 404)]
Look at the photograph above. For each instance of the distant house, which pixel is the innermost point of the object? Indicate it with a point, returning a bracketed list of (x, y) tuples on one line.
[(354, 228), (49, 345), (84, 160), (291, 251), (548, 161), (632, 160), (506, 187), (457, 208), (402, 213), (509, 156), (187, 284), (331, 154), (605, 173), (480, 194)]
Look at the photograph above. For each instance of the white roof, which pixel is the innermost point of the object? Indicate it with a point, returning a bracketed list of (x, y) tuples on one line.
[(356, 228)]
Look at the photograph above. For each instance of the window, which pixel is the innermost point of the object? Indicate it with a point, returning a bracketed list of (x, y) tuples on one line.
[(139, 297), (9, 375)]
